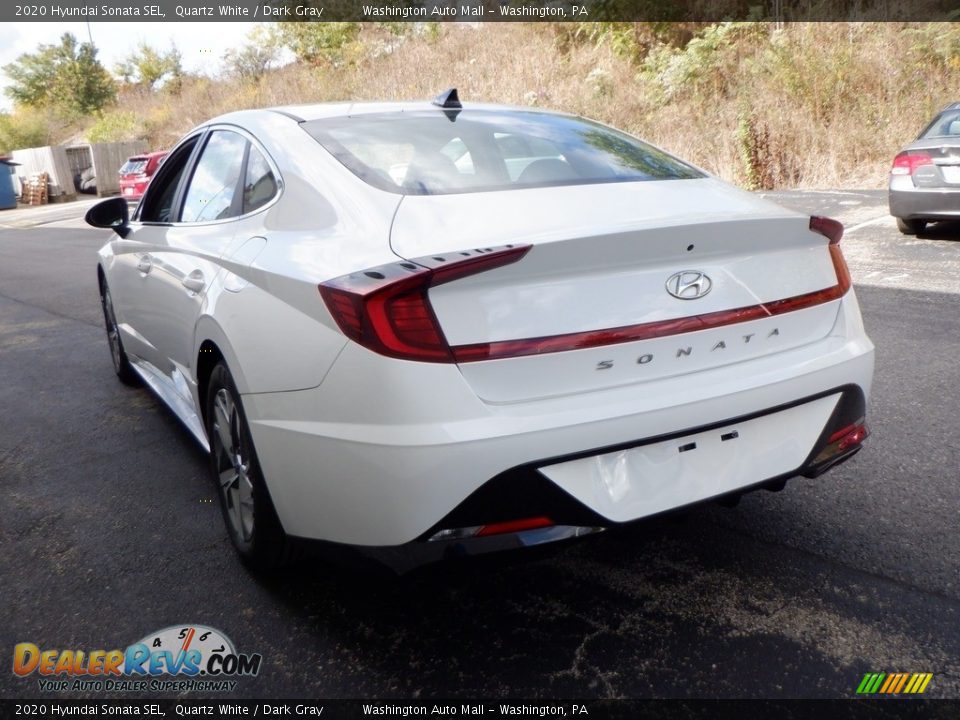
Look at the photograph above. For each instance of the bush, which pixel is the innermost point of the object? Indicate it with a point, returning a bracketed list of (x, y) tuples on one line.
[(24, 128), (115, 126)]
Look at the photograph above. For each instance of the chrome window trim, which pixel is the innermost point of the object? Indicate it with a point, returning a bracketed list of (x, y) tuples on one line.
[(203, 134)]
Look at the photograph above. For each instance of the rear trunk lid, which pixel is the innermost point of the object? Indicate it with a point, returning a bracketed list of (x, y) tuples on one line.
[(944, 172), (607, 257)]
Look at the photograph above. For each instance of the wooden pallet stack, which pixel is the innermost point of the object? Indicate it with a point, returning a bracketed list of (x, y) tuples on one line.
[(35, 189)]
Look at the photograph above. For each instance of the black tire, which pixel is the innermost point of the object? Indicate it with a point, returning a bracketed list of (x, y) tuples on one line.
[(121, 363), (248, 513), (911, 227)]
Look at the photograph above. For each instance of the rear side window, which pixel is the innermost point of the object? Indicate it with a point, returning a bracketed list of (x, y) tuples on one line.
[(212, 192), (945, 125), (259, 185), (133, 166), (426, 153)]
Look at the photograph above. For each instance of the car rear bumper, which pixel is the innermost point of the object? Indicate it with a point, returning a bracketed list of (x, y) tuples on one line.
[(392, 461), (526, 492), (913, 203), (132, 190)]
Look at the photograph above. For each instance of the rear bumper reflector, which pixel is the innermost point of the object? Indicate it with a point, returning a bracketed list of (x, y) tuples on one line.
[(842, 441), (499, 528)]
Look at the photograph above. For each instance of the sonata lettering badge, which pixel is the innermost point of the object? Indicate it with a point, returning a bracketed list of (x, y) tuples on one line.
[(687, 351)]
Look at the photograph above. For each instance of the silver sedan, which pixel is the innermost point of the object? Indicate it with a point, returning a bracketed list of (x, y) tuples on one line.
[(925, 177)]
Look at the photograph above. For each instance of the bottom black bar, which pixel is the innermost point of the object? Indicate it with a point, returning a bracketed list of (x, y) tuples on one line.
[(581, 709)]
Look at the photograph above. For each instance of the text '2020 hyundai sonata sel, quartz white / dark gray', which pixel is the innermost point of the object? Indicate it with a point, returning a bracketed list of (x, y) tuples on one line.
[(446, 328)]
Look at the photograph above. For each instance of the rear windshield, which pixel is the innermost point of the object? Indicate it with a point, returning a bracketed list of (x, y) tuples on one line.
[(133, 166), (944, 125), (427, 153)]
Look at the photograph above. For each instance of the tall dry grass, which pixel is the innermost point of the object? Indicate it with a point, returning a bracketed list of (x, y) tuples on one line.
[(808, 105)]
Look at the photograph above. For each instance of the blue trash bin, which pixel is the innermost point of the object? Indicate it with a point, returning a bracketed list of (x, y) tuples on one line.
[(8, 196)]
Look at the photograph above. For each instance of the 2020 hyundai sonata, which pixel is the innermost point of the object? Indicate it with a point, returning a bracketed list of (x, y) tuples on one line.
[(453, 328)]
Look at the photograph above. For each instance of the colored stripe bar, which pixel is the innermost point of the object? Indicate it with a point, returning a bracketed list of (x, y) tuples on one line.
[(891, 681), (875, 685), (903, 680), (923, 679), (914, 682), (894, 683), (870, 682)]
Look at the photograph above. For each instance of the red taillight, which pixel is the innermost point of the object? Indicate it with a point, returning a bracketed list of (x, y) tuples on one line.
[(386, 309), (907, 162), (843, 440), (833, 231), (828, 227), (514, 526), (849, 436)]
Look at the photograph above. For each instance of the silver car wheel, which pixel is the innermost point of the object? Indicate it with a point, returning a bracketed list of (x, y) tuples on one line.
[(233, 465)]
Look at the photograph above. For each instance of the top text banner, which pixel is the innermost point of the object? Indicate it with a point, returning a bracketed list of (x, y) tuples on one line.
[(480, 10)]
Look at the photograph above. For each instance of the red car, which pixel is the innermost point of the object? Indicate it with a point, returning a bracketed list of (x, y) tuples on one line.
[(136, 173)]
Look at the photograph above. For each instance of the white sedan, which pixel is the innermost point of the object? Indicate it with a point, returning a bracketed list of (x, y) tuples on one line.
[(430, 329)]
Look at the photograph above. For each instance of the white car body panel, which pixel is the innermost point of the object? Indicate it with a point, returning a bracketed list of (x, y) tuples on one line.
[(628, 484), (370, 450), (378, 474), (537, 377)]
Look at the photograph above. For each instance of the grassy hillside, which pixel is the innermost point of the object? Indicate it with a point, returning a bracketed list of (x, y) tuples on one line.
[(805, 105)]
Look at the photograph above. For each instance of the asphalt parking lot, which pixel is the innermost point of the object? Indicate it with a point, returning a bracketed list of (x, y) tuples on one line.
[(108, 530)]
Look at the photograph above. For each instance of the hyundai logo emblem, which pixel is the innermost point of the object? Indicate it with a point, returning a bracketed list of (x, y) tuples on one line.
[(689, 284)]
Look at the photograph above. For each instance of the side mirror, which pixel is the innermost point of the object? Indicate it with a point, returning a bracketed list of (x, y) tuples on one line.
[(112, 214)]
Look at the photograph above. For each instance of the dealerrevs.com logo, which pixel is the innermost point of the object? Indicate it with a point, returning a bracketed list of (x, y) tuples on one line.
[(180, 658)]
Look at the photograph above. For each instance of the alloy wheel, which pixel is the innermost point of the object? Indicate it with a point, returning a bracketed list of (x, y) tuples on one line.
[(233, 465), (113, 332)]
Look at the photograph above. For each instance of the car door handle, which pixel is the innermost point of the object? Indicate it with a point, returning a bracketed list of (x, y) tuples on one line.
[(194, 282), (145, 264)]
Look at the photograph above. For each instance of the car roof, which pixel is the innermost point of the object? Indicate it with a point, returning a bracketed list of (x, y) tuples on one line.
[(146, 156), (320, 111)]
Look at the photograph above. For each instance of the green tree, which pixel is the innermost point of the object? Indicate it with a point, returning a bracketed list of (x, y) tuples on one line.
[(255, 58), (66, 78), (151, 68), (31, 76), (317, 43)]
